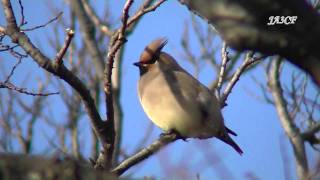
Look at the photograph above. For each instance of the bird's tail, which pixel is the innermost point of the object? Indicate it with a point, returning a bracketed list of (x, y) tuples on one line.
[(231, 132), (227, 139)]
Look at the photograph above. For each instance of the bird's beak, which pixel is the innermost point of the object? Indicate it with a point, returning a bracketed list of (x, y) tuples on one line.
[(138, 64)]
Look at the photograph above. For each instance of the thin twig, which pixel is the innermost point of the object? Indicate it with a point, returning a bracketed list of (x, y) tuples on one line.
[(88, 32), (185, 43), (23, 90), (264, 90), (12, 50), (63, 50), (95, 19), (23, 22), (6, 47), (225, 59), (12, 71), (43, 25), (143, 11), (249, 60)]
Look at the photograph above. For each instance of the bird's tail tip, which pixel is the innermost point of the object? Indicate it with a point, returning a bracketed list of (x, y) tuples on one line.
[(227, 139), (238, 149)]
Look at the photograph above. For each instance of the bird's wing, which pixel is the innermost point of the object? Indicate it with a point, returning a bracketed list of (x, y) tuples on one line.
[(192, 89)]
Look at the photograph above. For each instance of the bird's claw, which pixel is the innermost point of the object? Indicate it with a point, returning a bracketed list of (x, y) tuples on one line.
[(173, 132)]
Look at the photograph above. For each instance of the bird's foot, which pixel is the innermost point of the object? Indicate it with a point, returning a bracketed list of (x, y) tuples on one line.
[(173, 132)]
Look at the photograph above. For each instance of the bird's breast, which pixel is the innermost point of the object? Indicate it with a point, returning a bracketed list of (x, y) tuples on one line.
[(168, 107)]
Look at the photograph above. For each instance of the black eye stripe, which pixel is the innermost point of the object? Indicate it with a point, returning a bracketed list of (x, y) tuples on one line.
[(149, 62)]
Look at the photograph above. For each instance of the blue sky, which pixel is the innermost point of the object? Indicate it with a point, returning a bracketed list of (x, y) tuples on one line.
[(257, 125)]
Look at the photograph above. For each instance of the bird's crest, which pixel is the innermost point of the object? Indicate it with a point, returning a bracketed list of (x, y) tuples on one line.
[(152, 51)]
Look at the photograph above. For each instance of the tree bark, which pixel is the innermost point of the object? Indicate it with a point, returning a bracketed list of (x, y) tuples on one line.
[(243, 26), (22, 167), (287, 122)]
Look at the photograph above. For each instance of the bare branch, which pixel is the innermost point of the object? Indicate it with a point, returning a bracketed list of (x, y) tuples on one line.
[(12, 71), (310, 134), (88, 35), (22, 22), (287, 123), (105, 158), (63, 50), (95, 19), (43, 25), (225, 59), (185, 43), (118, 114), (61, 71), (234, 29), (264, 90), (285, 159), (249, 60), (144, 153), (297, 101), (23, 90), (143, 11)]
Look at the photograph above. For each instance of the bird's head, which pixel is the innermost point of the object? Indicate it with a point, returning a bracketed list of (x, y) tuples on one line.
[(150, 54)]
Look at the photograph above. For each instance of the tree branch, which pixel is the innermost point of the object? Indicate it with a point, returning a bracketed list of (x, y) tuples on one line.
[(63, 50), (248, 61), (105, 159), (144, 153), (243, 26), (287, 122), (58, 70), (89, 35), (95, 19), (117, 40), (31, 167), (225, 59), (310, 134)]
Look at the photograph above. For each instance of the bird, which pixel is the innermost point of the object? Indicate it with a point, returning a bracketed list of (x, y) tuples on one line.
[(177, 102)]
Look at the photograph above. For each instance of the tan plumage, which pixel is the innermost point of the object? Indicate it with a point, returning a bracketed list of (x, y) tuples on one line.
[(176, 101)]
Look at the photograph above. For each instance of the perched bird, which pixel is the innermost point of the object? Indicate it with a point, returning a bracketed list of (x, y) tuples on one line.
[(177, 102)]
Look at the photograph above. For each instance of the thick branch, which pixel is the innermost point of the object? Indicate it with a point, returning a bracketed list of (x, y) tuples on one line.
[(243, 25), (287, 122), (105, 159), (118, 114), (89, 35), (95, 19), (21, 167)]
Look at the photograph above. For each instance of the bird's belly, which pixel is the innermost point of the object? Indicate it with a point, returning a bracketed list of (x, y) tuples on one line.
[(170, 114)]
